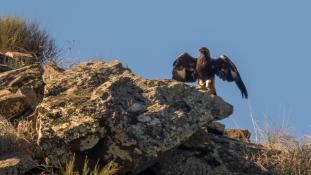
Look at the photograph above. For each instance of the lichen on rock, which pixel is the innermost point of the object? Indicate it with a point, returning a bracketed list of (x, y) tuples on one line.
[(103, 110)]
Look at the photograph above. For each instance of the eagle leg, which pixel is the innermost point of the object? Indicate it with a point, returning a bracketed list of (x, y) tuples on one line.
[(210, 86), (201, 84)]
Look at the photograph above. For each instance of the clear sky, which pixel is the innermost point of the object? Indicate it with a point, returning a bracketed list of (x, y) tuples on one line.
[(269, 41)]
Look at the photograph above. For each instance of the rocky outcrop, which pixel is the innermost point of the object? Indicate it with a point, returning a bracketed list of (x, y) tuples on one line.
[(104, 111)]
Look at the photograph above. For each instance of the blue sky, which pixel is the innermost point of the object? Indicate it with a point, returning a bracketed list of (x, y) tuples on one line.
[(269, 41)]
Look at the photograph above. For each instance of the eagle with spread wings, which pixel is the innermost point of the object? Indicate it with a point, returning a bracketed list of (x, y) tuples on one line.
[(204, 68)]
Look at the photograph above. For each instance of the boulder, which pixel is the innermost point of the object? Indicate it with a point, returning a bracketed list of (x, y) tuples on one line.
[(104, 111)]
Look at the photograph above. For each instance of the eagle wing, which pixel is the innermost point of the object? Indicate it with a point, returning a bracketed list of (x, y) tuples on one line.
[(184, 68), (226, 70)]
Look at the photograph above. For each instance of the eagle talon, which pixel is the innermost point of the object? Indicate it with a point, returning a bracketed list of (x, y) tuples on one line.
[(200, 88)]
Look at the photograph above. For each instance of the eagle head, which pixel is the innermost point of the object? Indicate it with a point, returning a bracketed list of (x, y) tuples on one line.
[(204, 51)]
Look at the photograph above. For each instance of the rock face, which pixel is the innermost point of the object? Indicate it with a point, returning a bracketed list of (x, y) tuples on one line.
[(104, 111)]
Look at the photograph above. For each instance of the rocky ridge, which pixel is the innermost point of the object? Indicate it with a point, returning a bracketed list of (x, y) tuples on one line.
[(104, 112)]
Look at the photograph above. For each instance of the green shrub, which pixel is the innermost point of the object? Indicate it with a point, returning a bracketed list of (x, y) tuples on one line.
[(20, 35)]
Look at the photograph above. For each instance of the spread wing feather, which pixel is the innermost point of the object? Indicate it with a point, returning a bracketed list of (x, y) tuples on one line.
[(226, 70), (184, 68)]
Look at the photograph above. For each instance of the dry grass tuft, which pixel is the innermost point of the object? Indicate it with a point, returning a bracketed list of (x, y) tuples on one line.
[(284, 154), (110, 169)]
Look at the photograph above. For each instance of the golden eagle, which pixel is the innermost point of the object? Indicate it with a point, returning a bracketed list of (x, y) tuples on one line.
[(204, 68)]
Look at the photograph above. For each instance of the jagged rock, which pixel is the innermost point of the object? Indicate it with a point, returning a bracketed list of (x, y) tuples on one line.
[(20, 91), (208, 154), (15, 152), (103, 111), (238, 134)]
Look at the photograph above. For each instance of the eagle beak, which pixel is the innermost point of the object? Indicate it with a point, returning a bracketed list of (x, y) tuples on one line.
[(222, 56)]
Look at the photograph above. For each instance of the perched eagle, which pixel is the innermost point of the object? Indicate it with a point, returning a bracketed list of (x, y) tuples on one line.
[(204, 68)]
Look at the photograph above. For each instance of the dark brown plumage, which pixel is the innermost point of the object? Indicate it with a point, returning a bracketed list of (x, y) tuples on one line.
[(204, 68)]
